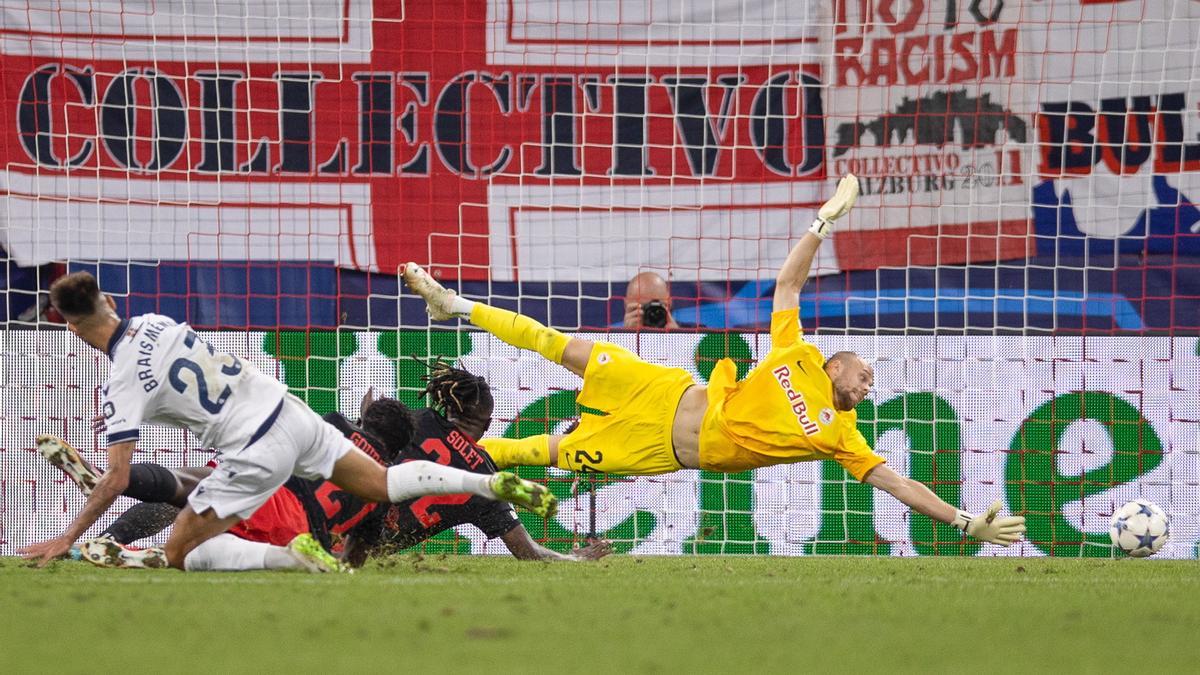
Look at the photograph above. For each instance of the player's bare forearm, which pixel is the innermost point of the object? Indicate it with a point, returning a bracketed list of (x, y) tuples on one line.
[(106, 492), (987, 526), (539, 552), (112, 483), (108, 488), (523, 547), (593, 550), (795, 269), (912, 493), (794, 273)]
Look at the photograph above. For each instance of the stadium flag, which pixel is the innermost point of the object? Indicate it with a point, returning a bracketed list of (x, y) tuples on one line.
[(466, 135), (1118, 126), (540, 141)]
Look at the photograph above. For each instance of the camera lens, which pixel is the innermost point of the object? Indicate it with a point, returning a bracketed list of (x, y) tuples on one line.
[(654, 314)]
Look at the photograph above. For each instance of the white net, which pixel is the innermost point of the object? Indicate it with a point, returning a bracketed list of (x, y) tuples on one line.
[(1022, 264)]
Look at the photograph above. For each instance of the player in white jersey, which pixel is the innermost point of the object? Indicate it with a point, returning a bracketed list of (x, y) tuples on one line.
[(162, 373)]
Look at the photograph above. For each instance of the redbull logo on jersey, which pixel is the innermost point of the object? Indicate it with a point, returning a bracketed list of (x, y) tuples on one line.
[(783, 375)]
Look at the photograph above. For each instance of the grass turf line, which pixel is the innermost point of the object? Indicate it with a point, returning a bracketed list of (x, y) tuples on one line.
[(627, 614)]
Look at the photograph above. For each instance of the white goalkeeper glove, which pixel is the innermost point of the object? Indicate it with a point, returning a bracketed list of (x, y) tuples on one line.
[(989, 526), (837, 206)]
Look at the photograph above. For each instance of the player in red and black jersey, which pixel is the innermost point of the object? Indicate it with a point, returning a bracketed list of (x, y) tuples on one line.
[(446, 433), (336, 516), (338, 520)]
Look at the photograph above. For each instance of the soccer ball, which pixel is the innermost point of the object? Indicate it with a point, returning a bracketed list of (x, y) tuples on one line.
[(1139, 528)]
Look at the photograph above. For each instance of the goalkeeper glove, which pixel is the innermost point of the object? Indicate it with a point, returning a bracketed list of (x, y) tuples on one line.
[(990, 527), (837, 206)]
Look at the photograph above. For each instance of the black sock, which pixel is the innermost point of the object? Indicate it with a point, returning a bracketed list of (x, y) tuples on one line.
[(152, 483), (141, 521)]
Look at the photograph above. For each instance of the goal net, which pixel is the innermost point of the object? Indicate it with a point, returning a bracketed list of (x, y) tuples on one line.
[(1022, 268)]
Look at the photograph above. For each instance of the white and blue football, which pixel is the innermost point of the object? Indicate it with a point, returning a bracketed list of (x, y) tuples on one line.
[(1139, 528)]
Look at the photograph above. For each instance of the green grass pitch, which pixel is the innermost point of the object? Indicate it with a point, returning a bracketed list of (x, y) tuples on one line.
[(624, 614)]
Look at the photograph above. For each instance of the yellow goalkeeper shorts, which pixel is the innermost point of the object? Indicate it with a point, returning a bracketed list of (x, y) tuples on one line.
[(639, 401)]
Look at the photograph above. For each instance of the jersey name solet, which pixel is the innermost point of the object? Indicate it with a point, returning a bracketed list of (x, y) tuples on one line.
[(783, 376)]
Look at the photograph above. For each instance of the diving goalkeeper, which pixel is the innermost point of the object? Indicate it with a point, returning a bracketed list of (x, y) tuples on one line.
[(794, 406)]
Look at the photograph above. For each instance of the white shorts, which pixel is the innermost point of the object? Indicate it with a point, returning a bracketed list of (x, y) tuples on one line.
[(295, 442)]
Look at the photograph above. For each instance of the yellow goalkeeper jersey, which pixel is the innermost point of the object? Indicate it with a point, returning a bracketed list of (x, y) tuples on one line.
[(782, 412)]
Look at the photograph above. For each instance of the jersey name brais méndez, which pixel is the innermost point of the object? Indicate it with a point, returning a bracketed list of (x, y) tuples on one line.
[(781, 412), (163, 373)]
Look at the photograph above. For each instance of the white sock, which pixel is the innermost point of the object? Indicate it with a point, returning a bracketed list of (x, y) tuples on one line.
[(461, 306), (280, 558), (419, 478), (227, 553)]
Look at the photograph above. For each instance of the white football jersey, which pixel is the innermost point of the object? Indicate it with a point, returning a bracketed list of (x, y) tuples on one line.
[(163, 373)]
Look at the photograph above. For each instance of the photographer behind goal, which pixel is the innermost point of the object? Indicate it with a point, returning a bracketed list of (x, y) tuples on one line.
[(648, 303)]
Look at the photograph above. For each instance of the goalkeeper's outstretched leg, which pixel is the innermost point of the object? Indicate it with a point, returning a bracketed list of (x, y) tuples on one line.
[(639, 400), (515, 329)]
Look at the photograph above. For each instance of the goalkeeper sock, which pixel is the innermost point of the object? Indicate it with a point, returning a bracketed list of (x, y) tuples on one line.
[(520, 331), (419, 478), (506, 452), (460, 306)]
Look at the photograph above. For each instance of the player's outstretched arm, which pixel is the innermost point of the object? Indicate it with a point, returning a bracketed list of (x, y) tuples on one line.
[(110, 486), (794, 273), (988, 526), (523, 547)]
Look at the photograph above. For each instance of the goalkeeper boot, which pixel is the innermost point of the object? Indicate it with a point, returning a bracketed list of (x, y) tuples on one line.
[(60, 453), (106, 552), (438, 299), (312, 556), (533, 496)]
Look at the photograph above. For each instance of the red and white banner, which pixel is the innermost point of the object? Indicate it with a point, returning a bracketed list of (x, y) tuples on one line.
[(371, 134), (1119, 121), (925, 108), (511, 139)]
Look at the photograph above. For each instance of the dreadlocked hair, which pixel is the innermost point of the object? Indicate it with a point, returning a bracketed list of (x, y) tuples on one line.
[(459, 395)]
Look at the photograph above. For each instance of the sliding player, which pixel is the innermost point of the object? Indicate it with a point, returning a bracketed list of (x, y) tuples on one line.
[(162, 372), (794, 406), (337, 519), (460, 412), (287, 520), (281, 522)]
